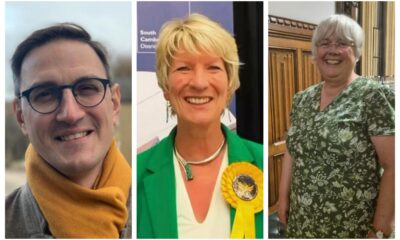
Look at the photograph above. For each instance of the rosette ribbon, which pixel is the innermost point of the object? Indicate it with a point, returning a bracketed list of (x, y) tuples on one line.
[(242, 188)]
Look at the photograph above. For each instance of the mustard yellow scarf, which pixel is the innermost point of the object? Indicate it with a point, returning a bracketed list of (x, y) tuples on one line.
[(73, 211)]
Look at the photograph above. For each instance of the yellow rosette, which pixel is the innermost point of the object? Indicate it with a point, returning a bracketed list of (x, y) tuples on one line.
[(242, 187)]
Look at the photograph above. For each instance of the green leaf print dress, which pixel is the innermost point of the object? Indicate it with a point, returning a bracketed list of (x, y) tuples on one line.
[(335, 174)]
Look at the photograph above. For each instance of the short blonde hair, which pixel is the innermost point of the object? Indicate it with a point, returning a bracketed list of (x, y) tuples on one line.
[(344, 28), (196, 34)]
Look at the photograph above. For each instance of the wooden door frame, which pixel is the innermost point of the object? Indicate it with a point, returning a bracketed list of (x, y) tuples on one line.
[(294, 33)]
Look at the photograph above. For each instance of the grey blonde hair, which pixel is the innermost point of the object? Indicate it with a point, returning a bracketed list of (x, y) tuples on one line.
[(196, 34), (344, 28)]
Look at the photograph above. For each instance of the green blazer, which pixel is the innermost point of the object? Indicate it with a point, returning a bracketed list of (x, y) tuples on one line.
[(156, 201)]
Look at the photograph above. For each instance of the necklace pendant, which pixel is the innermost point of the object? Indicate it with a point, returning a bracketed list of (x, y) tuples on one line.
[(188, 170), (187, 164)]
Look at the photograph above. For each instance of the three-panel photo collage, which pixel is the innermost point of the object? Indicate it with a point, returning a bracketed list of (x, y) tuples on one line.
[(199, 119)]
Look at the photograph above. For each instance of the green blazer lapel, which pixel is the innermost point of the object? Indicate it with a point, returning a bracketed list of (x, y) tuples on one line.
[(237, 151), (161, 185)]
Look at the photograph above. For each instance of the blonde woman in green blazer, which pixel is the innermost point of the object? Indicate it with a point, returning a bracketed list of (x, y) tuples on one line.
[(156, 185), (182, 188)]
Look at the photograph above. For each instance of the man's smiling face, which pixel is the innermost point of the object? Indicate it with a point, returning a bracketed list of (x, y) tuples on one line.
[(73, 139)]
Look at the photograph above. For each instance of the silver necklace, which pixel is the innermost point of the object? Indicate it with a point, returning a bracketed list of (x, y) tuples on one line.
[(186, 163)]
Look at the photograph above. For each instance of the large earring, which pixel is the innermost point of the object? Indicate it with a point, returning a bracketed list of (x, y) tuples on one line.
[(229, 115), (167, 111), (168, 106)]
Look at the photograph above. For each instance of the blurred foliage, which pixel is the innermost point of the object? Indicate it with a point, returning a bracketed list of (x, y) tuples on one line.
[(16, 142), (121, 72)]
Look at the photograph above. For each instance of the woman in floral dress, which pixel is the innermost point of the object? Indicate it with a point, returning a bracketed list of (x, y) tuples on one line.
[(340, 141)]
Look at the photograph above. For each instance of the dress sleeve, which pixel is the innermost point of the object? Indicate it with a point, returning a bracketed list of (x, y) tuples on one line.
[(380, 111)]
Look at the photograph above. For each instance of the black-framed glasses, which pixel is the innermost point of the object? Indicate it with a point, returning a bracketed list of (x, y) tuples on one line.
[(46, 98)]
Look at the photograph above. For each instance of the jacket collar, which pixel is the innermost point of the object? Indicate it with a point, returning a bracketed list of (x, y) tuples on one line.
[(237, 151)]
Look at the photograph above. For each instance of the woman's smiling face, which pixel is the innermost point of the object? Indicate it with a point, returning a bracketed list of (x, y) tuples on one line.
[(335, 59), (197, 87)]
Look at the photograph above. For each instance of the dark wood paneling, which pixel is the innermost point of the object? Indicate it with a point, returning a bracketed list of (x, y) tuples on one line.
[(291, 69)]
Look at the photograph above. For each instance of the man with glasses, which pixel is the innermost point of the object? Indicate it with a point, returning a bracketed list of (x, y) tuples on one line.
[(78, 182)]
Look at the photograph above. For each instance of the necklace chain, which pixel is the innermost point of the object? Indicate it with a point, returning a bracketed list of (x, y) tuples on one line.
[(186, 163)]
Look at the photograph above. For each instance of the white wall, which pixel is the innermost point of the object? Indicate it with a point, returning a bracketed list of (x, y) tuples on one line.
[(311, 12)]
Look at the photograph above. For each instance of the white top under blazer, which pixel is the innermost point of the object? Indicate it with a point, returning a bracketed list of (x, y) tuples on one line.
[(217, 222)]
